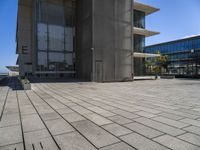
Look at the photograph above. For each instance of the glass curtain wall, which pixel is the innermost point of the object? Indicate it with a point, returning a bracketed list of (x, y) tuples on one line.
[(139, 44), (184, 56), (139, 19), (55, 36)]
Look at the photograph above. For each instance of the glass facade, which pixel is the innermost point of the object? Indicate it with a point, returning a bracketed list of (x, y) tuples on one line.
[(139, 42), (184, 55), (55, 36), (86, 39), (139, 19)]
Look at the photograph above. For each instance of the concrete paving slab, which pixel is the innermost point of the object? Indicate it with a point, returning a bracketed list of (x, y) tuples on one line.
[(42, 144), (100, 111), (146, 109), (189, 111), (10, 135), (191, 122), (35, 136), (116, 129), (171, 116), (81, 110), (95, 134), (55, 104), (193, 129), (27, 110), (160, 126), (10, 120), (191, 138), (13, 147), (97, 119), (144, 130), (58, 126), (120, 120), (118, 146), (140, 142), (11, 110), (64, 111), (145, 114), (43, 109), (73, 117), (151, 109), (73, 141), (125, 114), (39, 140), (170, 122), (175, 143), (32, 123), (50, 116)]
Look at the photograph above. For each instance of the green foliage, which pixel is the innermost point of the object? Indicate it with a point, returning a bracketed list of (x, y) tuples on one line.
[(155, 65)]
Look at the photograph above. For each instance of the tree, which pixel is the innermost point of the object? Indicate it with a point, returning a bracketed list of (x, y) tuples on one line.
[(157, 64), (162, 62)]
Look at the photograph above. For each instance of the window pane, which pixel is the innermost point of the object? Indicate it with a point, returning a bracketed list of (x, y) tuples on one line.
[(42, 58), (56, 14), (56, 38), (69, 59), (42, 36), (69, 39), (56, 57)]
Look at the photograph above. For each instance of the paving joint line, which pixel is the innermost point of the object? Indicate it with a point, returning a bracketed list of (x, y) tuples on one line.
[(86, 119), (4, 104), (43, 121), (112, 121), (93, 105), (64, 119)]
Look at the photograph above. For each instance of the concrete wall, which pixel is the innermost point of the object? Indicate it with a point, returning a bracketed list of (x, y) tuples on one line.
[(84, 40), (112, 40), (104, 39), (24, 36)]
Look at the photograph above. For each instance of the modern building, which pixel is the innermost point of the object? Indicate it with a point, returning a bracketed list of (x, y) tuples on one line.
[(93, 40), (140, 33), (183, 55), (13, 70)]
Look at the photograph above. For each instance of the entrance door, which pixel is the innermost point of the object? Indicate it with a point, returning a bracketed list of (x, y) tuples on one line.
[(99, 71)]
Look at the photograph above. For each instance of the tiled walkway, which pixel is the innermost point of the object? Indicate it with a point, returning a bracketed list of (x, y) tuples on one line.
[(143, 115)]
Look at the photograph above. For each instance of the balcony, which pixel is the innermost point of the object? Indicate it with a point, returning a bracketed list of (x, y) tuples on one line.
[(144, 32), (145, 55), (145, 8)]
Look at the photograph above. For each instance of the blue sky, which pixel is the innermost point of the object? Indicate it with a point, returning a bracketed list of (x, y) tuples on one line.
[(176, 19), (8, 13)]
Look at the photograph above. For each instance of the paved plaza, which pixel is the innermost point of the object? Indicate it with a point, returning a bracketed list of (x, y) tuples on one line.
[(143, 115)]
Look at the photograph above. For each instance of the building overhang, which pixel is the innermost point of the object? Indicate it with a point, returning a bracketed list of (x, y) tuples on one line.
[(145, 8), (145, 55), (146, 33)]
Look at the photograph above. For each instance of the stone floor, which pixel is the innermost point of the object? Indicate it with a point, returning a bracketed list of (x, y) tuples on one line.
[(143, 115)]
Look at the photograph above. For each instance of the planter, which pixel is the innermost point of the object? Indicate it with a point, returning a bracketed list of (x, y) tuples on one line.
[(26, 84), (167, 77)]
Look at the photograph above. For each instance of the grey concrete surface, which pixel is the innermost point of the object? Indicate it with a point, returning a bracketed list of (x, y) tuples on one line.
[(143, 115)]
